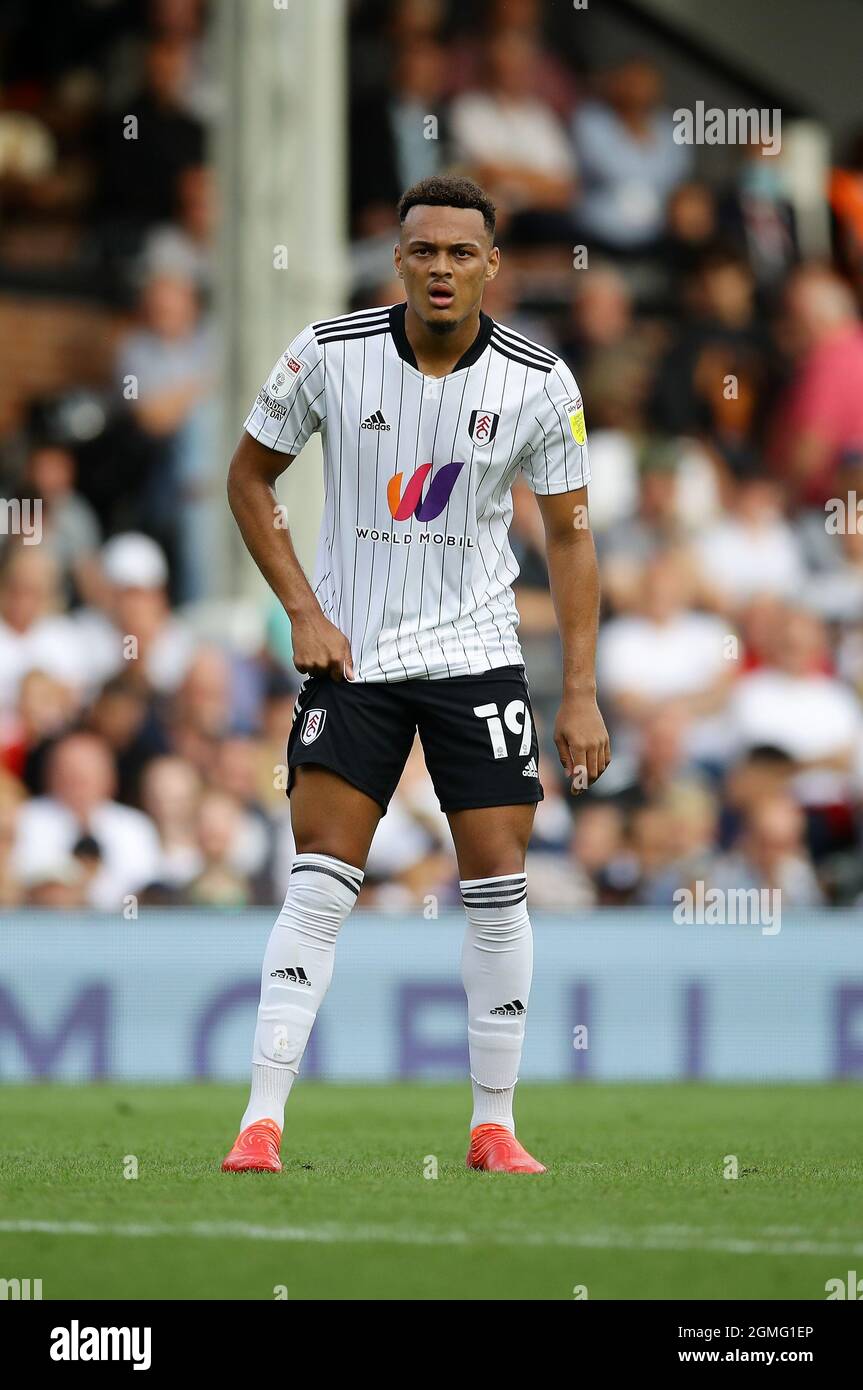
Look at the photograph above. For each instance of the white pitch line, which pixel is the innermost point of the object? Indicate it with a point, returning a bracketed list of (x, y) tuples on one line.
[(673, 1239)]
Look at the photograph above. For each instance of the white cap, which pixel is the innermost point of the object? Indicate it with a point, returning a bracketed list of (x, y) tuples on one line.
[(134, 561)]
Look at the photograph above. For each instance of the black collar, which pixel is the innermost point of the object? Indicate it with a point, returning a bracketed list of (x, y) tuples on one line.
[(467, 359)]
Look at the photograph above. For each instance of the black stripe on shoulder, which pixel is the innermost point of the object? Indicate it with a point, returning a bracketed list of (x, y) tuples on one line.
[(504, 349), (343, 335), (517, 340), (350, 331), (347, 320), (529, 355)]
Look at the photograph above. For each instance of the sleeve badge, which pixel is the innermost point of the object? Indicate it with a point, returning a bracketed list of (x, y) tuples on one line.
[(575, 411)]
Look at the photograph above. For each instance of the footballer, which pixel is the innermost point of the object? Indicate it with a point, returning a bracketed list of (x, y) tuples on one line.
[(428, 411)]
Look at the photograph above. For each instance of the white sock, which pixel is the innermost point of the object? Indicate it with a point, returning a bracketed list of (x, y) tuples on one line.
[(497, 964), (298, 967), (271, 1087)]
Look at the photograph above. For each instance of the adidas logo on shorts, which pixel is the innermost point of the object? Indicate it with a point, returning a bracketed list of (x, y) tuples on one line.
[(294, 973), (375, 422), (530, 770)]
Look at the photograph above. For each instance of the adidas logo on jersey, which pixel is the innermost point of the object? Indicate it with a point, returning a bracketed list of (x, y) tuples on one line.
[(375, 422), (516, 1007), (296, 974), (530, 770)]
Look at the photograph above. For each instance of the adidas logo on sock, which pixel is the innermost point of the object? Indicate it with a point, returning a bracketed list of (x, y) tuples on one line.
[(375, 421), (530, 770), (294, 973), (516, 1007)]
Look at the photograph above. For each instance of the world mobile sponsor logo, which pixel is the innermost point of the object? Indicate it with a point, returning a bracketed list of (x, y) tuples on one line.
[(412, 503), (371, 533)]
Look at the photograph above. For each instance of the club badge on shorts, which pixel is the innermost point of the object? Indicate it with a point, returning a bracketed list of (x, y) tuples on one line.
[(483, 426), (312, 725)]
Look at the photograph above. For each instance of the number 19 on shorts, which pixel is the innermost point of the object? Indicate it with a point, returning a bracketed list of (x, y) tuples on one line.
[(517, 720)]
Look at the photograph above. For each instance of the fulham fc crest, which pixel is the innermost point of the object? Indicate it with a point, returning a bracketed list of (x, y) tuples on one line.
[(312, 724), (483, 426)]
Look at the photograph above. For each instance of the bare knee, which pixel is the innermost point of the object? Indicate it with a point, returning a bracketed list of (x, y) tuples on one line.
[(329, 816), (493, 862), (492, 841)]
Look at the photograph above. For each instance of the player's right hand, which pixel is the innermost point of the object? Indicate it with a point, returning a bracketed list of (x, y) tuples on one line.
[(320, 649)]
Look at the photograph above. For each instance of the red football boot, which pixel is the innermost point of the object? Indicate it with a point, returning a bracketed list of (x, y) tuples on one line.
[(493, 1149), (256, 1149)]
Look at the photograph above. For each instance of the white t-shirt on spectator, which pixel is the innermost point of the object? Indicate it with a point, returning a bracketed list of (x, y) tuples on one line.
[(662, 661), (50, 645), (741, 562), (524, 133), (166, 662), (47, 831), (807, 717)]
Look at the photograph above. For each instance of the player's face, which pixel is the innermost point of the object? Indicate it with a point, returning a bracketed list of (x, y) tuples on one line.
[(445, 257)]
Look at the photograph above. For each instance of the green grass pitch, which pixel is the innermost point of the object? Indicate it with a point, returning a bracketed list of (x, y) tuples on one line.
[(635, 1204)]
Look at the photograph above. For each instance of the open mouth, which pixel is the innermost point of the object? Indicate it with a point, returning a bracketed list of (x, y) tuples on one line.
[(441, 297)]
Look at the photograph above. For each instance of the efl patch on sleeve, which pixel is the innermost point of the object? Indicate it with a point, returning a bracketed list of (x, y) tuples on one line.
[(575, 411), (284, 376)]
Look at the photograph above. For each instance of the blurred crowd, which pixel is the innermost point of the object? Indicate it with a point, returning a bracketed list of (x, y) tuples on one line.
[(107, 196), (142, 742)]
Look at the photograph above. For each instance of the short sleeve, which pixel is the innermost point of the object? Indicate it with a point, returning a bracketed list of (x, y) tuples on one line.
[(558, 460), (291, 404)]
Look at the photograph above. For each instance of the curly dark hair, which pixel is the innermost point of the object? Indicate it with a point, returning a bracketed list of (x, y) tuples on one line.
[(448, 191)]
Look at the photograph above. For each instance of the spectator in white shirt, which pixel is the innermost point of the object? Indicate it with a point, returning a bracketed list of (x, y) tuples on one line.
[(667, 654), (78, 804), (751, 551), (34, 635), (793, 704), (135, 622), (516, 145)]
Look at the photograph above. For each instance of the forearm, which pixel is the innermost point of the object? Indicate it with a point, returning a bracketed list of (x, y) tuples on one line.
[(255, 507), (574, 582)]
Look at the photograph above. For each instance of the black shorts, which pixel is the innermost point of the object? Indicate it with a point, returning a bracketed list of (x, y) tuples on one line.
[(477, 733)]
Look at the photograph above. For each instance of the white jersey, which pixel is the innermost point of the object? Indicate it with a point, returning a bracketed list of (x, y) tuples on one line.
[(414, 564)]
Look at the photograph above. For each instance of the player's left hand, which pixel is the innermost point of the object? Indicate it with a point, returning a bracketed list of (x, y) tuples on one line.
[(581, 739)]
